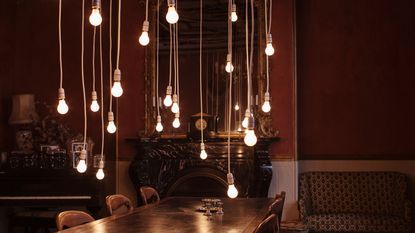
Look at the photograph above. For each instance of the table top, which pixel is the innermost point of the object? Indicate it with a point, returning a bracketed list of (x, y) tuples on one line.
[(180, 214)]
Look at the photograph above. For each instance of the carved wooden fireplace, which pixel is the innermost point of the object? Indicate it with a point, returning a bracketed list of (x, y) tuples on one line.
[(174, 168)]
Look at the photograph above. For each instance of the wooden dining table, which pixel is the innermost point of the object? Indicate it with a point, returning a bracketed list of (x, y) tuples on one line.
[(185, 215)]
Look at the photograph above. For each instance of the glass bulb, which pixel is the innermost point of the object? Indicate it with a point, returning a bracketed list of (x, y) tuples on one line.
[(62, 107), (94, 106), (234, 16), (100, 174), (203, 154), (81, 167), (266, 107), (172, 17), (229, 67), (232, 191), (245, 122), (269, 50), (176, 123), (250, 137), (116, 89), (111, 128), (236, 107), (144, 39), (168, 101), (159, 127), (175, 108), (95, 18)]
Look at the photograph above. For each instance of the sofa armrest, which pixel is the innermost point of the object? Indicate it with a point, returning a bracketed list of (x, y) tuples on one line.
[(303, 209), (408, 211)]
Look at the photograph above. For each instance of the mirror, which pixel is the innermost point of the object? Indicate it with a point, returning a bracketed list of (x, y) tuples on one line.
[(215, 84)]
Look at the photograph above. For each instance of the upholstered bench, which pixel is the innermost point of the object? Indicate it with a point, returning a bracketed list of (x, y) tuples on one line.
[(354, 202)]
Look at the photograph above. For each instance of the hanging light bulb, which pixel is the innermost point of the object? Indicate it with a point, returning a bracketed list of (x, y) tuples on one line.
[(266, 107), (116, 89), (81, 167), (100, 173), (236, 107), (144, 39), (232, 191), (234, 16), (269, 50), (176, 122), (172, 17), (94, 105), (203, 154), (245, 121), (229, 66), (250, 138), (95, 18), (175, 106), (111, 128), (159, 126), (168, 101), (62, 106)]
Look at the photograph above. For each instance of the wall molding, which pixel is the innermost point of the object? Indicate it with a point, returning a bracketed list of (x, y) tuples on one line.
[(356, 157)]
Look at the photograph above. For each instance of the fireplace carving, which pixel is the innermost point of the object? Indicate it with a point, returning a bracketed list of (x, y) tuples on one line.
[(174, 168)]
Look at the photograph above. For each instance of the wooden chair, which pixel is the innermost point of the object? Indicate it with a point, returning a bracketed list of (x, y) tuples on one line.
[(71, 218), (118, 204), (276, 208), (267, 225), (149, 195)]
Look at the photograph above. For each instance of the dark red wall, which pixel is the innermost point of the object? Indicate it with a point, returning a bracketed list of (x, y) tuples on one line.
[(356, 79)]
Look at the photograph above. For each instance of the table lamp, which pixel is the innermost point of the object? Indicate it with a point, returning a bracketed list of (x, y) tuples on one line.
[(23, 113)]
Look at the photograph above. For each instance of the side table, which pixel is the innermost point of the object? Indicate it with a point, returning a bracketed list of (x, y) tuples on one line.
[(293, 227)]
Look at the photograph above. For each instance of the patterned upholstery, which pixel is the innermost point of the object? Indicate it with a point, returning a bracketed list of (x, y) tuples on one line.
[(354, 201)]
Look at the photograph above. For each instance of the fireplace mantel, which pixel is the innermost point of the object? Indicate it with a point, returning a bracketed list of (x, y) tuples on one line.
[(162, 162)]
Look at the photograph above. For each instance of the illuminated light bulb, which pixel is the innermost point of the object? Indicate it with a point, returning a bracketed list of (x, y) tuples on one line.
[(269, 50), (144, 39), (81, 167), (116, 89), (266, 107), (172, 17), (250, 138), (100, 173), (94, 105), (236, 107), (95, 18), (245, 121), (62, 106), (232, 191), (229, 66), (168, 101), (234, 16), (159, 126), (176, 122), (175, 106), (111, 128), (203, 154)]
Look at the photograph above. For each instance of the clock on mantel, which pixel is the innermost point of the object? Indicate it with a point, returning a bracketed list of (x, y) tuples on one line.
[(201, 121)]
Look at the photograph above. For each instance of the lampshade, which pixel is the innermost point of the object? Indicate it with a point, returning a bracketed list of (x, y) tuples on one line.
[(24, 110)]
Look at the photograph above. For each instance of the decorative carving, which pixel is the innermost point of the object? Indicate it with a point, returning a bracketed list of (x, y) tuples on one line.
[(160, 163)]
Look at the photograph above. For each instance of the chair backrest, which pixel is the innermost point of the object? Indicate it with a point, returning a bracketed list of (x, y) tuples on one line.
[(71, 218), (149, 195), (267, 225), (118, 204), (277, 206)]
